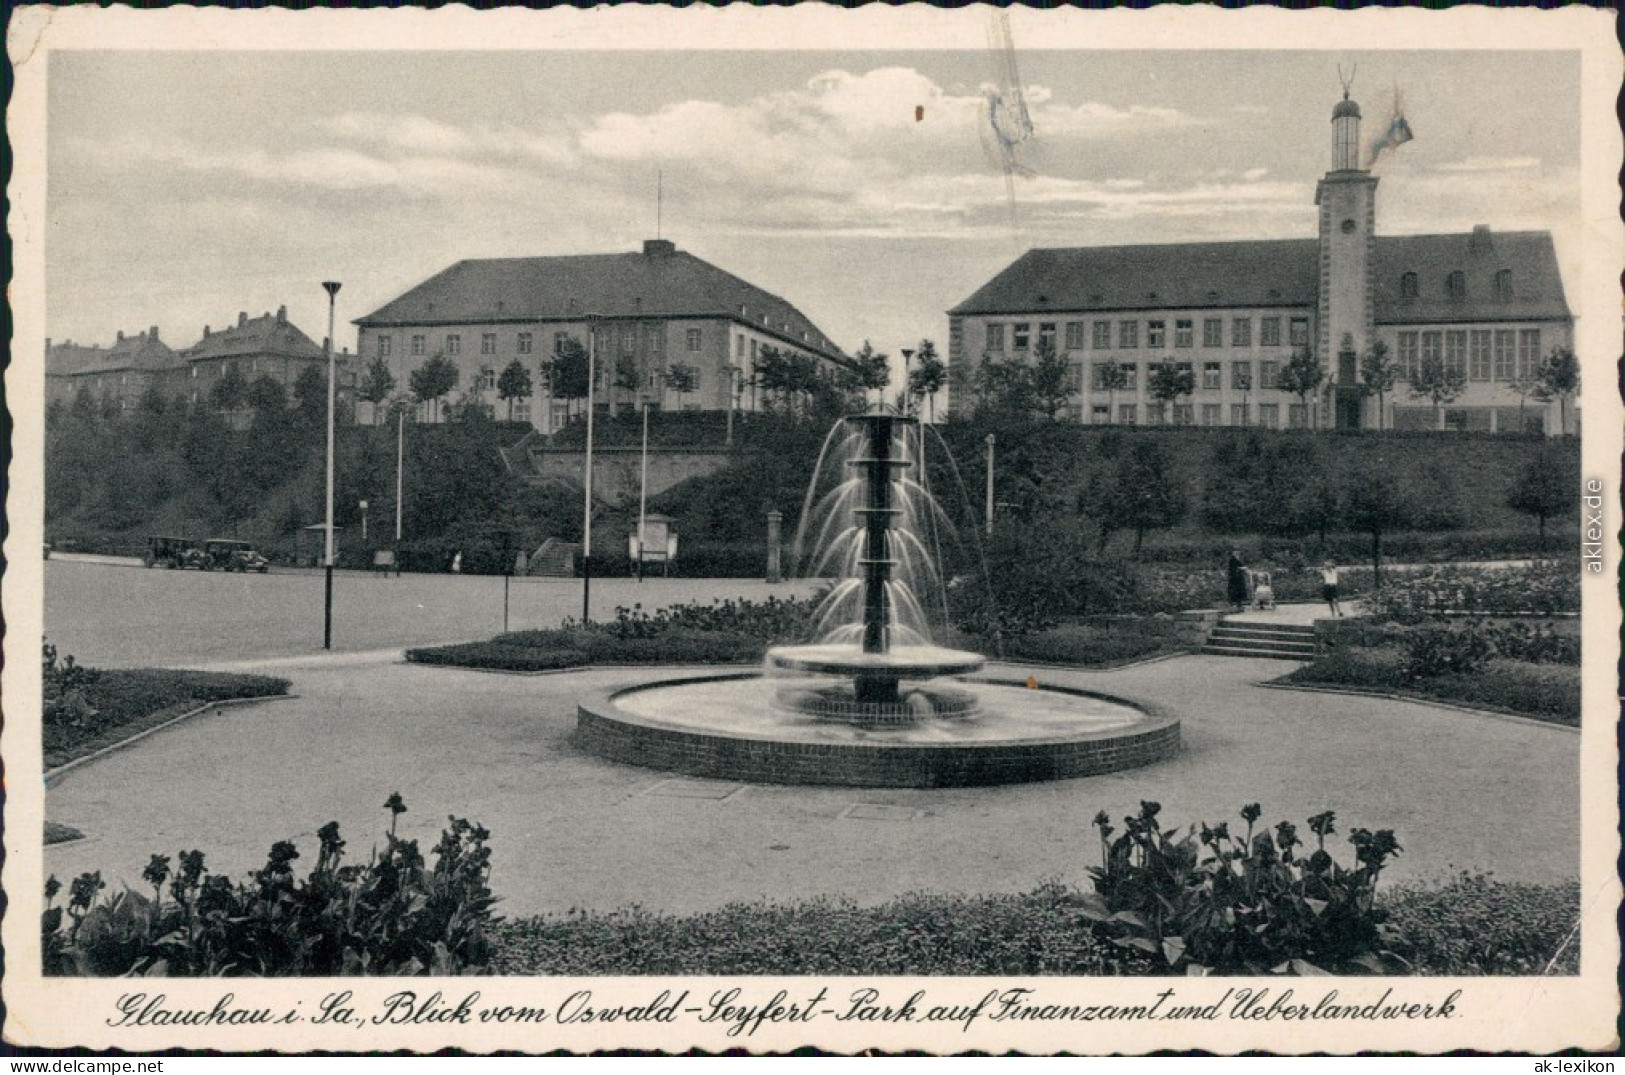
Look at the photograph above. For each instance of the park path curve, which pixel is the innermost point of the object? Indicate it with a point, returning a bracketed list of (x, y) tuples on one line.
[(1461, 789)]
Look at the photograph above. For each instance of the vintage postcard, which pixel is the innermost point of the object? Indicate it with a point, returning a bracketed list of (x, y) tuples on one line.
[(751, 529)]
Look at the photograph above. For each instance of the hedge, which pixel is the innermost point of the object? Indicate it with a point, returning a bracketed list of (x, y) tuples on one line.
[(1546, 692), (1471, 925)]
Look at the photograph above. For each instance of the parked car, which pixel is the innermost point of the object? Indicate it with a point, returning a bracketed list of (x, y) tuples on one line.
[(229, 555), (176, 552)]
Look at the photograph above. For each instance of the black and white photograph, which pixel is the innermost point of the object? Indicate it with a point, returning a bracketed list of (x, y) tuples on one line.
[(891, 529)]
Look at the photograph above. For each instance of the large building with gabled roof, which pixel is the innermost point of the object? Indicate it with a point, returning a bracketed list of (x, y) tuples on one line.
[(649, 311), (1487, 304), (116, 376)]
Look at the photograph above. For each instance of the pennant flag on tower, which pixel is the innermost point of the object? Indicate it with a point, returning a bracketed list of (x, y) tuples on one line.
[(1397, 134)]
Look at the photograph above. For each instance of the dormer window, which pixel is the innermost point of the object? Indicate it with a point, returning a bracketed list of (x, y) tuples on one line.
[(1407, 286), (1503, 284), (1455, 285)]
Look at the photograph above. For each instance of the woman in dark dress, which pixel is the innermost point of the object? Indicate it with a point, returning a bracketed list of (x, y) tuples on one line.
[(1237, 579)]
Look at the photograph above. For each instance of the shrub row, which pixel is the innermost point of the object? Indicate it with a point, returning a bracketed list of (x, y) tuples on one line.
[(1039, 932), (1106, 640), (1474, 924), (1544, 692), (507, 658), (534, 651)]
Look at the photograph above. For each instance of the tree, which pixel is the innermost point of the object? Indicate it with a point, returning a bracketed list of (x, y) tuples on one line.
[(310, 396), (1302, 376), (628, 376), (1438, 382), (1543, 489), (1375, 504), (1113, 377), (1525, 384), (1142, 493), (872, 367), (433, 380), (229, 392), (682, 380), (1051, 387), (267, 398), (376, 384), (513, 383), (1003, 389), (83, 407), (1378, 373), (1168, 382), (568, 371), (1558, 378), (928, 378)]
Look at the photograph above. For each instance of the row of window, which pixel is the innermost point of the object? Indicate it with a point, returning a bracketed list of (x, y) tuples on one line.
[(1455, 285), (1478, 354), (1265, 415), (610, 338), (1127, 375), (1128, 335)]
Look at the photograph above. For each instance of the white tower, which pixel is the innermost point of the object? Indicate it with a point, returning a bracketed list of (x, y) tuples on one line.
[(1347, 197)]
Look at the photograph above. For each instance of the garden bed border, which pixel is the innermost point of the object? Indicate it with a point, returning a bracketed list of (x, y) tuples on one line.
[(1420, 699)]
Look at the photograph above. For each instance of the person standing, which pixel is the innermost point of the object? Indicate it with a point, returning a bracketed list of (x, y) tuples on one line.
[(1328, 586), (1236, 588)]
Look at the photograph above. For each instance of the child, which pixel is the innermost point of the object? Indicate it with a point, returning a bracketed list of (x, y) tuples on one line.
[(1328, 586), (1263, 591)]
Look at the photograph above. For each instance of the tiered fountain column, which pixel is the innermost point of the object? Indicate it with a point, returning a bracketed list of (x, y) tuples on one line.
[(877, 513)]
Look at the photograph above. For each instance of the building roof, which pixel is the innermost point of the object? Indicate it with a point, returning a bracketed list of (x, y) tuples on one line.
[(1285, 272), (141, 352), (1265, 272), (1529, 256), (268, 334), (662, 281)]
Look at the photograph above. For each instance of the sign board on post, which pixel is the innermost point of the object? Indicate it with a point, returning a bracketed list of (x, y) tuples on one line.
[(658, 542)]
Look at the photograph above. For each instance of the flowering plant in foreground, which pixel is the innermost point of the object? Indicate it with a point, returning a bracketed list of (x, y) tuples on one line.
[(396, 915), (1207, 901)]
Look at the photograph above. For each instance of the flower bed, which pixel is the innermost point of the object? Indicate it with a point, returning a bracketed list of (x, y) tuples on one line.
[(87, 709), (1543, 692), (1540, 590)]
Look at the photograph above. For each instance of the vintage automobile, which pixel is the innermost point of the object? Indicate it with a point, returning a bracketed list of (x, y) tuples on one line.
[(231, 555), (176, 552)]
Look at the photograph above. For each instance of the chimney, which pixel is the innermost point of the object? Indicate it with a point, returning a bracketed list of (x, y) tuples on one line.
[(1481, 241), (153, 332), (242, 318), (658, 247), (120, 335), (205, 332), (281, 314), (47, 345)]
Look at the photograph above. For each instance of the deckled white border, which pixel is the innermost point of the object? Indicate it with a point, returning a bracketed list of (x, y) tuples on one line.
[(1508, 1014)]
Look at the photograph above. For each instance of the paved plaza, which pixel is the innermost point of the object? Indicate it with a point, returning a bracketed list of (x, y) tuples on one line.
[(1462, 790)]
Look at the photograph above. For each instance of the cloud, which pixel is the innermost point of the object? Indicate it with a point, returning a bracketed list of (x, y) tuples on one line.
[(1490, 164)]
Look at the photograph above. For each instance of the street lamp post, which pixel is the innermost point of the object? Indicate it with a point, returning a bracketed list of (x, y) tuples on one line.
[(733, 398), (400, 472), (908, 395), (586, 522), (643, 487), (363, 524), (990, 439), (332, 289)]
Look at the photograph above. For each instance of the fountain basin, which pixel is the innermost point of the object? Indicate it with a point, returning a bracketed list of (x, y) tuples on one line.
[(726, 726), (900, 662)]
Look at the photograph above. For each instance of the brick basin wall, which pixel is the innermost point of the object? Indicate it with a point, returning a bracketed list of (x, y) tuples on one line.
[(609, 732)]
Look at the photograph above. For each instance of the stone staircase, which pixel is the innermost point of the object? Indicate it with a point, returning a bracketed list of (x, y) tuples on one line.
[(1240, 638), (555, 558)]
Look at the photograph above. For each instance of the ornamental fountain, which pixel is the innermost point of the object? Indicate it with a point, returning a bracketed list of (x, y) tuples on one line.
[(872, 701)]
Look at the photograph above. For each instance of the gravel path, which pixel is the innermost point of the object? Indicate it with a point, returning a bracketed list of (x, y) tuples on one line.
[(1460, 789)]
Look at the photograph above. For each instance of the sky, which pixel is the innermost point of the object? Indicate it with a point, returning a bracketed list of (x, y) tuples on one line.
[(867, 188)]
